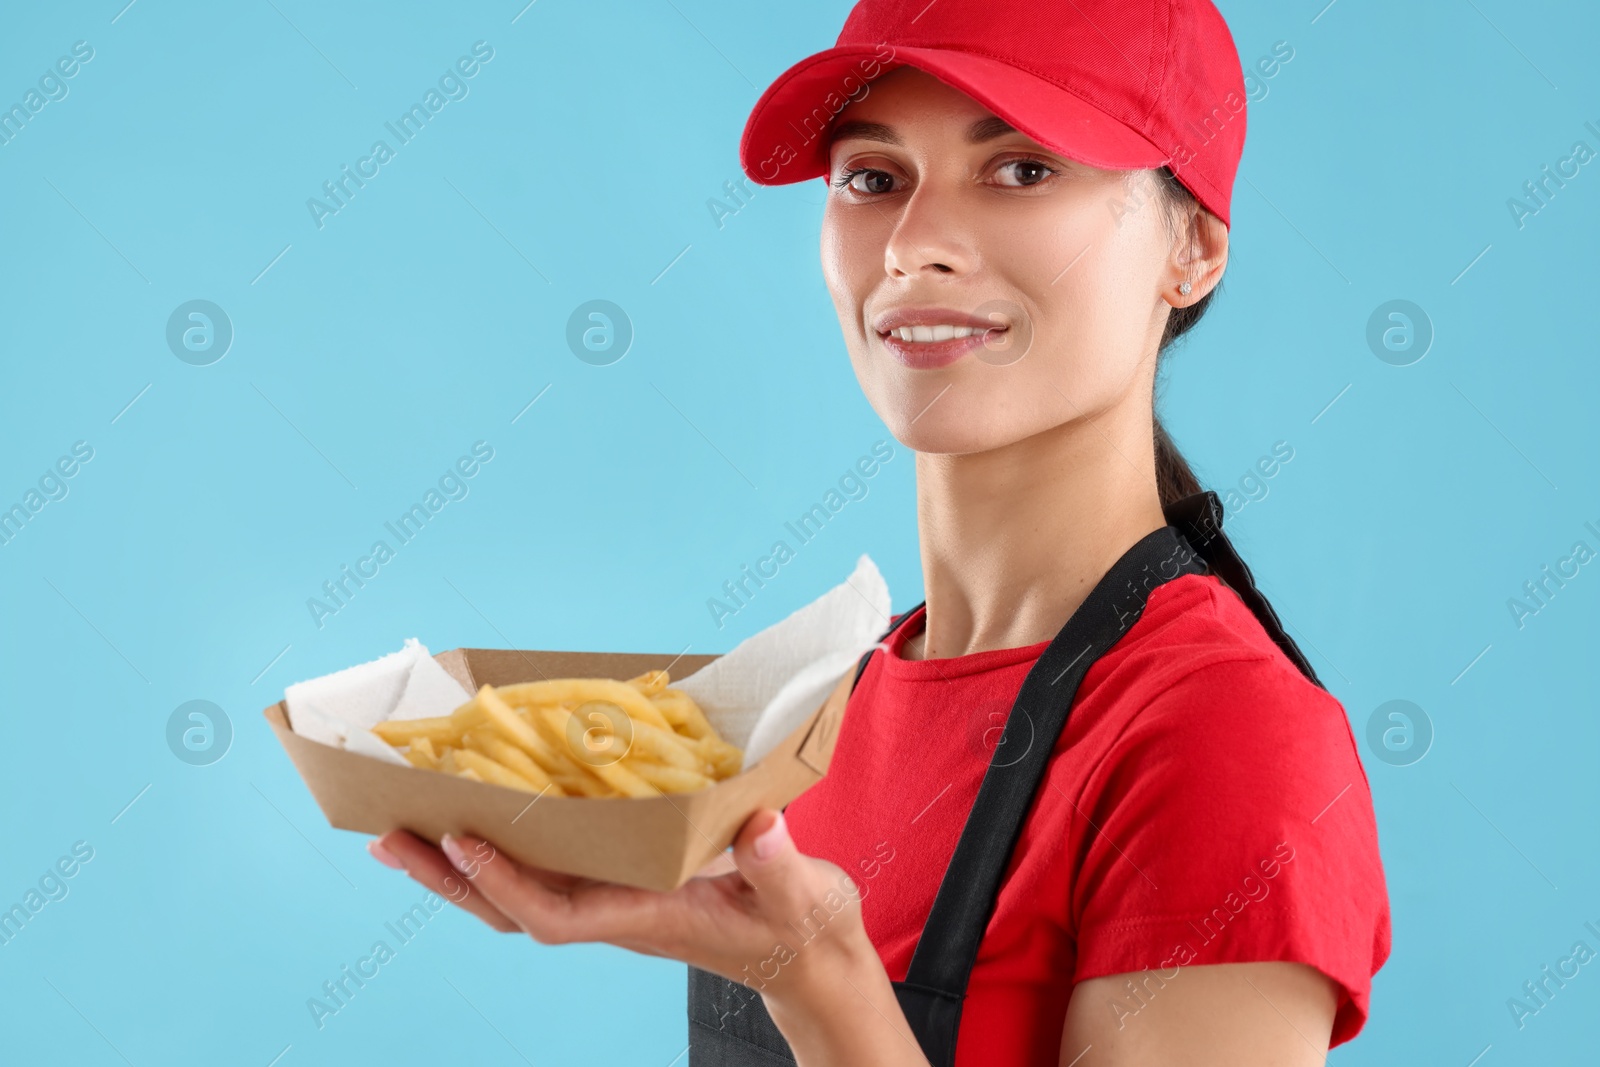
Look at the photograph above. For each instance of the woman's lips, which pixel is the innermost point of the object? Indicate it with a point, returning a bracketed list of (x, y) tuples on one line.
[(925, 355)]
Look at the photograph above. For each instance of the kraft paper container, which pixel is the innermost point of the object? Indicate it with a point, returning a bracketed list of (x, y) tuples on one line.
[(654, 843)]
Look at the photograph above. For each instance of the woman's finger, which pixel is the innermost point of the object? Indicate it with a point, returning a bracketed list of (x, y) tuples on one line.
[(553, 909), (782, 877), (427, 865)]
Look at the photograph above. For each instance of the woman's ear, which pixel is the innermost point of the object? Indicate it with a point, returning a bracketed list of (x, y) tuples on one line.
[(1199, 256)]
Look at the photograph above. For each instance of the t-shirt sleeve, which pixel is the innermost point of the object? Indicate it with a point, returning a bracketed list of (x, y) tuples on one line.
[(1233, 823)]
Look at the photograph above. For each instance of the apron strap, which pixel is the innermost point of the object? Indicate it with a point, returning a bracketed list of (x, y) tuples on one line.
[(936, 980), (894, 624)]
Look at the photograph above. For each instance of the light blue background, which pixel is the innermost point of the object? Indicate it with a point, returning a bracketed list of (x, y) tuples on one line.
[(431, 310)]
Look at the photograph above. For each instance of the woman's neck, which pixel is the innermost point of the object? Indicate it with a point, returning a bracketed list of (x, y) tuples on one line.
[(1014, 539)]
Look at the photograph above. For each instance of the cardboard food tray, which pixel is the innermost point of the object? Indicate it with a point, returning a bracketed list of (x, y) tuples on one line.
[(651, 842)]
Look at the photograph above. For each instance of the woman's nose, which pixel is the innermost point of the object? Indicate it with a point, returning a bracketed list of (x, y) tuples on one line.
[(926, 239)]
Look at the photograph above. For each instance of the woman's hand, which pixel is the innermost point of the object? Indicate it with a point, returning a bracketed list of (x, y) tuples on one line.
[(726, 920), (782, 923)]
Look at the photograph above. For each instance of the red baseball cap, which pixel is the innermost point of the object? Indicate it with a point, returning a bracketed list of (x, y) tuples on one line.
[(1115, 84)]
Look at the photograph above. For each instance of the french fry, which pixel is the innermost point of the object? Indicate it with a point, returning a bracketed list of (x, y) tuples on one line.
[(493, 771), (568, 770), (482, 739), (672, 710), (650, 682), (441, 730), (397, 732), (558, 728), (574, 691), (420, 753), (684, 714), (448, 765), (582, 784), (669, 779), (726, 760), (611, 772), (517, 730), (544, 737), (658, 743), (620, 778), (689, 721), (666, 747)]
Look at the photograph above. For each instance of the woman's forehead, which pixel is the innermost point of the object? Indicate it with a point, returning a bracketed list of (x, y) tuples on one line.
[(907, 94), (894, 111), (986, 128)]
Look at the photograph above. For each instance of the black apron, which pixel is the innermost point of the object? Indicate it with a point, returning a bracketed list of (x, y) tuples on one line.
[(728, 1022)]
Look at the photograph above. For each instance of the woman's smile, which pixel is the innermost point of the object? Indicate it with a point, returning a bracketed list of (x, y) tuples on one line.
[(923, 338)]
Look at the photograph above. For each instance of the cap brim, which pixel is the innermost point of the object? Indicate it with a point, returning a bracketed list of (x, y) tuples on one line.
[(786, 137)]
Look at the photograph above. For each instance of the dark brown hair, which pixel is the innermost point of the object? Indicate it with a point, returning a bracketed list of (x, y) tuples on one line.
[(1174, 478)]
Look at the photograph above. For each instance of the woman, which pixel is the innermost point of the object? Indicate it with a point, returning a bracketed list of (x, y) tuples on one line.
[(1088, 803)]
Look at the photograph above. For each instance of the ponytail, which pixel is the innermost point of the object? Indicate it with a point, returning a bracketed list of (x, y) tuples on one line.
[(1201, 519), (1174, 477)]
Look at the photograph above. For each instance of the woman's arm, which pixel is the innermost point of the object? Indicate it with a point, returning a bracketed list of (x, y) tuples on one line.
[(1220, 1015), (785, 924)]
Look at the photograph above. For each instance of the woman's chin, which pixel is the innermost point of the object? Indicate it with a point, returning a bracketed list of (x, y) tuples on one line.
[(944, 436)]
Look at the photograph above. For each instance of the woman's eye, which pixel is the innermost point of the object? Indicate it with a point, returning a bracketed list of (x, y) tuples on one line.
[(875, 182), (1023, 172)]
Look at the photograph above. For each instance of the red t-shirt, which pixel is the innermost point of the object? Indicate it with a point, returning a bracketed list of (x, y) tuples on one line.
[(1204, 804)]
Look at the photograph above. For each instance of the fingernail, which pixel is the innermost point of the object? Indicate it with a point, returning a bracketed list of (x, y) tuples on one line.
[(452, 848), (772, 839), (384, 856)]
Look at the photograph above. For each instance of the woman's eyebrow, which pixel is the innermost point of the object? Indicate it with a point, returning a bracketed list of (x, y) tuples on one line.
[(988, 129), (982, 130), (867, 131)]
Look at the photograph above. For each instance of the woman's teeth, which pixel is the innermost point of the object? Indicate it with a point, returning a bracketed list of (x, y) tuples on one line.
[(941, 332)]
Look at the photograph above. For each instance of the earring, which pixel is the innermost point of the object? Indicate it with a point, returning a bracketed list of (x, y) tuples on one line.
[(1185, 288)]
